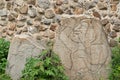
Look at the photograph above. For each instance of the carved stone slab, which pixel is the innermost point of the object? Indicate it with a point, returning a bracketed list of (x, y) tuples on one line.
[(21, 48), (83, 48)]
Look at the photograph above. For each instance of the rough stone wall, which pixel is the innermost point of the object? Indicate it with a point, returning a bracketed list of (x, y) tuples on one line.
[(40, 18)]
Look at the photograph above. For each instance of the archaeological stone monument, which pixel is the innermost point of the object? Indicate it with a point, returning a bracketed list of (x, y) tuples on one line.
[(21, 48), (83, 48)]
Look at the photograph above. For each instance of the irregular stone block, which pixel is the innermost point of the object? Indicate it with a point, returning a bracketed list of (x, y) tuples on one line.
[(32, 12), (2, 4), (3, 12), (24, 9), (31, 2), (43, 3), (49, 13), (21, 48), (83, 48), (19, 2)]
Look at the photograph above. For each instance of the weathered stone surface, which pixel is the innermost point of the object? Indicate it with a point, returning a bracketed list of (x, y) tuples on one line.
[(12, 26), (2, 4), (29, 22), (78, 11), (113, 34), (107, 28), (47, 21), (32, 12), (104, 22), (43, 3), (114, 7), (89, 5), (51, 34), (3, 23), (58, 10), (9, 5), (43, 27), (96, 14), (59, 2), (25, 29), (53, 27), (3, 12), (31, 2), (83, 48), (20, 24), (49, 13), (10, 33), (32, 29), (116, 28), (113, 43), (102, 6), (19, 2), (11, 17), (21, 48), (22, 18), (24, 9)]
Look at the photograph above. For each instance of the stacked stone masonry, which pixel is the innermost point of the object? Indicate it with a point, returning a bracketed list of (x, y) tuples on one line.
[(40, 18)]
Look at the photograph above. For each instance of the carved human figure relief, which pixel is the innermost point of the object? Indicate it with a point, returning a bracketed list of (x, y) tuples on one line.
[(83, 49)]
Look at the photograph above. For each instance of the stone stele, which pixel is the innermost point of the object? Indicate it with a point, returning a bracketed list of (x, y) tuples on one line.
[(83, 48), (21, 48)]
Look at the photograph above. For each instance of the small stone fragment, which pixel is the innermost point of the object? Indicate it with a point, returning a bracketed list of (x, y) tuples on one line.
[(113, 34), (104, 22), (113, 43), (24, 9), (51, 34), (116, 28), (102, 6), (53, 27), (113, 7), (75, 0), (59, 2), (33, 2), (107, 28), (19, 2), (43, 27), (2, 4), (12, 26), (43, 3), (22, 18), (3, 12), (9, 5), (96, 14), (3, 18), (10, 33), (58, 10), (49, 13), (20, 24), (32, 30), (89, 5), (32, 12), (47, 21), (4, 35), (18, 31), (25, 29), (78, 11), (11, 17), (30, 22), (3, 23)]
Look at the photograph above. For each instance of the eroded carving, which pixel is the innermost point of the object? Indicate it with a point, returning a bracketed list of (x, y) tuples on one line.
[(83, 49)]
